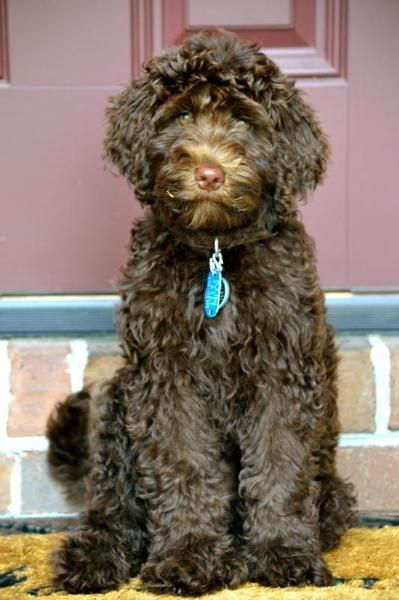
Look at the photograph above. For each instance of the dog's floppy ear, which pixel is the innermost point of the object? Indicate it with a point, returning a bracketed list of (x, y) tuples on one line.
[(302, 147), (129, 128)]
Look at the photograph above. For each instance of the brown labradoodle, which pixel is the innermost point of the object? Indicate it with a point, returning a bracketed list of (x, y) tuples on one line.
[(209, 458)]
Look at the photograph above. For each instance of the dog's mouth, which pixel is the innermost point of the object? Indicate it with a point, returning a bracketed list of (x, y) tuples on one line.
[(208, 196), (210, 215)]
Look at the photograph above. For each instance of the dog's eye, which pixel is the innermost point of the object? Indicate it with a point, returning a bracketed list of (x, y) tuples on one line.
[(185, 118)]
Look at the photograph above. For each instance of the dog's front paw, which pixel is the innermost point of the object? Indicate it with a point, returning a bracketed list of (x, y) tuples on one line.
[(275, 569), (87, 562), (194, 569)]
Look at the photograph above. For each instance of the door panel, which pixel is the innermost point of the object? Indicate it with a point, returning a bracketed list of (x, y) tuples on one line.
[(325, 214), (64, 222), (283, 23), (373, 218), (73, 43), (231, 15)]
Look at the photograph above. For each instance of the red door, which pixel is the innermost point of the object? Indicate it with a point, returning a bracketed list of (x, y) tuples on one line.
[(64, 222)]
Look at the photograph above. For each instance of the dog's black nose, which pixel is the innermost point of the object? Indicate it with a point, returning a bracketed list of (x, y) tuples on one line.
[(209, 177)]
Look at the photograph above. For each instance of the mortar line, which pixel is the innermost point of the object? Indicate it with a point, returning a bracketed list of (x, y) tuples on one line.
[(77, 361), (15, 506), (14, 445), (389, 439)]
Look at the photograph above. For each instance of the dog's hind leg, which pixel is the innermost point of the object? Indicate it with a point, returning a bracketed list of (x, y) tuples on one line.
[(109, 543), (337, 500), (337, 504)]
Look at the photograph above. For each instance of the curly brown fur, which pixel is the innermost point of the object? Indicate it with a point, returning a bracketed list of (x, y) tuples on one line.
[(67, 431), (212, 451)]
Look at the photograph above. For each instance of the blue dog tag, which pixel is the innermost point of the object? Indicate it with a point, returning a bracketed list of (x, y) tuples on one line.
[(217, 290)]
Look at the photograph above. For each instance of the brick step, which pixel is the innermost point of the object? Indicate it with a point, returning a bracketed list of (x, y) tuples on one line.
[(38, 372)]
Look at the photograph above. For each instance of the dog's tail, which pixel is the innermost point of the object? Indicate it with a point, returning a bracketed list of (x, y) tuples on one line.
[(68, 435)]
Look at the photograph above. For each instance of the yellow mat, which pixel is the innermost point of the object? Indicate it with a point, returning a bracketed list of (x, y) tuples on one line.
[(367, 562)]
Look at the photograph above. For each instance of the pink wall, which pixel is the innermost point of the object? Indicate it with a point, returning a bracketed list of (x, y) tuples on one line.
[(373, 139)]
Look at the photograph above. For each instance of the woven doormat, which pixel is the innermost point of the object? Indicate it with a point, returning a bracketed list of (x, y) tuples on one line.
[(366, 566)]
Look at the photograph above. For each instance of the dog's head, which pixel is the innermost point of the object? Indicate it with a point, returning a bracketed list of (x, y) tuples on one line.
[(212, 132)]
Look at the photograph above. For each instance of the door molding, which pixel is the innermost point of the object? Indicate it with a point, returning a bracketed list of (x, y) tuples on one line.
[(4, 62), (311, 43)]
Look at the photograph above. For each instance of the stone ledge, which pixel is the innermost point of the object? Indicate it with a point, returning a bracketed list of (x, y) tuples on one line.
[(83, 315)]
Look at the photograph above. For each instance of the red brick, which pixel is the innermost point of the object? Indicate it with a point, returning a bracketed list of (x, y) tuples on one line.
[(6, 466), (356, 387), (393, 345), (39, 379), (375, 473)]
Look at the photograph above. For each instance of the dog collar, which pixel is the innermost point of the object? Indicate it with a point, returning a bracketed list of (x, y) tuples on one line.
[(262, 228), (217, 289)]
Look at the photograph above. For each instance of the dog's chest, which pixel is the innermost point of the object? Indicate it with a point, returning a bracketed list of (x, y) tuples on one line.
[(214, 365), (247, 296), (217, 333)]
